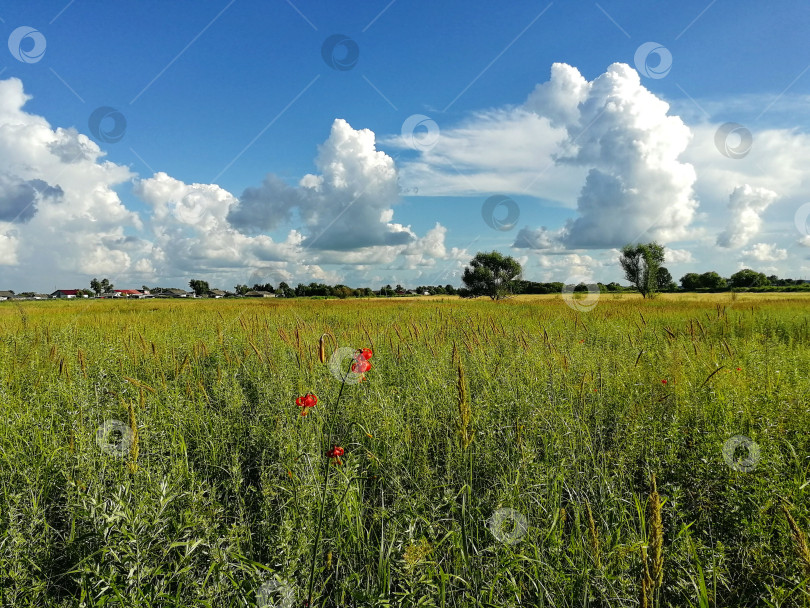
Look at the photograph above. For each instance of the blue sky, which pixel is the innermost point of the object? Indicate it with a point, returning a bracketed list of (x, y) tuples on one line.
[(217, 95)]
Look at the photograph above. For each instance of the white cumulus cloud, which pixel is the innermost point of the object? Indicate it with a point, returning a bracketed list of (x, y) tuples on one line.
[(58, 206), (745, 207), (765, 252), (348, 205), (636, 185), (677, 256)]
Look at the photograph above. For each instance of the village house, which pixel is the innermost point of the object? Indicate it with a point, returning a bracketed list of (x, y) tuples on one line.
[(68, 294), (130, 293), (173, 292), (259, 294)]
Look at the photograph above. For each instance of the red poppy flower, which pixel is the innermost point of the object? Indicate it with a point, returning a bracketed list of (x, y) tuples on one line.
[(335, 453), (360, 366), (367, 353), (663, 381), (305, 402), (739, 369)]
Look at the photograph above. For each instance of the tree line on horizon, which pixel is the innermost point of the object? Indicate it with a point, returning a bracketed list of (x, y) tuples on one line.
[(498, 276)]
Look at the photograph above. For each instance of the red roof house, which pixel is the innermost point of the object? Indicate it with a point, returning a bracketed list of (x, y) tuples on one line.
[(65, 293)]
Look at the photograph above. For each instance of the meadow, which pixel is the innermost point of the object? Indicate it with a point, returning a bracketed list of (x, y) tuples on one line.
[(496, 454)]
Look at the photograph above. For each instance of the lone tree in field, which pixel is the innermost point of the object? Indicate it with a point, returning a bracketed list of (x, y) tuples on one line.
[(491, 274), (641, 263)]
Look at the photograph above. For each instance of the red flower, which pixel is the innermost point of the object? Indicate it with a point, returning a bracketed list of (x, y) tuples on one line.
[(335, 453), (663, 381), (739, 369), (360, 366), (367, 353), (305, 402)]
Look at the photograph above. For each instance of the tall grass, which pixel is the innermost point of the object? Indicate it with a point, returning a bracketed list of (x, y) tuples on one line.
[(561, 416)]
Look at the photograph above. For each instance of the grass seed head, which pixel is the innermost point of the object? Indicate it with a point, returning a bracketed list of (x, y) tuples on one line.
[(464, 410), (133, 426), (646, 580), (656, 535), (415, 553), (799, 540), (594, 537)]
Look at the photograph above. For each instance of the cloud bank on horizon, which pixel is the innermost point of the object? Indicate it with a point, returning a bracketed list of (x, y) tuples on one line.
[(607, 150)]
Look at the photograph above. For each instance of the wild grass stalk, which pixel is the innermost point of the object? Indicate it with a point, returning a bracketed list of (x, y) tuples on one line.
[(799, 540)]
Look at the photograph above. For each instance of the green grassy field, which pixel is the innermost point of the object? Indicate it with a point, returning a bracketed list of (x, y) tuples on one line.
[(519, 473)]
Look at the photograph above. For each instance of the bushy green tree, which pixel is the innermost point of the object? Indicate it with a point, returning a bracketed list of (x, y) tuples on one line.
[(712, 280), (664, 280), (690, 281), (198, 286), (748, 278), (492, 274), (342, 291), (268, 287), (285, 290), (641, 263)]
